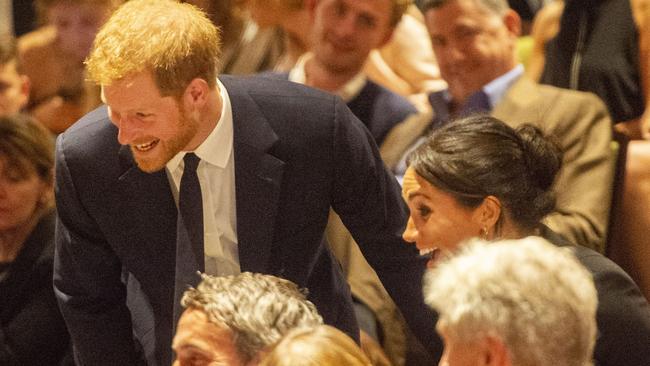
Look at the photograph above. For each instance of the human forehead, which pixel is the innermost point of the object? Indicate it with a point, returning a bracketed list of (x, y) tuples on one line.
[(135, 91), (196, 327), (409, 183), (460, 11), (380, 9), (63, 7), (9, 165)]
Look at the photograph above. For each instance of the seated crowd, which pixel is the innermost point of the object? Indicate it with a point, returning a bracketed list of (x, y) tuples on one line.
[(515, 203)]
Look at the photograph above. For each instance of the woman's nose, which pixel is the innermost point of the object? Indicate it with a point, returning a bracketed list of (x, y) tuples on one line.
[(410, 232)]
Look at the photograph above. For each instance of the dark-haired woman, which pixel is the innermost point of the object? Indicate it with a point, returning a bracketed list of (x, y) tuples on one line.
[(32, 331), (478, 177)]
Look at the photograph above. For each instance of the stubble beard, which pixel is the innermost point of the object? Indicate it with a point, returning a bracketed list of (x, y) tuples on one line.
[(168, 149)]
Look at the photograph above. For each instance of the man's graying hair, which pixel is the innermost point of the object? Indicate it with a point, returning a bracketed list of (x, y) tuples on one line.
[(535, 297), (258, 309), (496, 6)]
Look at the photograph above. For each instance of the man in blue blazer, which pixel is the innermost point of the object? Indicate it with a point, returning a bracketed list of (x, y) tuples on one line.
[(274, 157)]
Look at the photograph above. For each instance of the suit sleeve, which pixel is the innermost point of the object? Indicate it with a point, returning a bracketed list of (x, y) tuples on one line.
[(367, 198), (623, 316), (584, 183), (87, 279)]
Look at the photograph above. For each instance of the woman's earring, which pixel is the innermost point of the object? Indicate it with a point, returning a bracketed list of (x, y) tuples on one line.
[(485, 233)]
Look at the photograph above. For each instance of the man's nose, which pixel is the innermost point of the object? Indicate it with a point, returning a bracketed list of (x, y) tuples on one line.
[(454, 53), (346, 26), (127, 128)]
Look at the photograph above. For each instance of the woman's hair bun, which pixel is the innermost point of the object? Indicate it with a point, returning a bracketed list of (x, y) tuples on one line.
[(542, 155)]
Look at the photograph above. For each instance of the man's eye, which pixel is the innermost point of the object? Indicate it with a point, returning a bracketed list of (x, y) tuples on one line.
[(366, 22), (142, 115)]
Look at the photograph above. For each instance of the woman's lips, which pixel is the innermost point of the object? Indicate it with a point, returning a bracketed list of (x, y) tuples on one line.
[(434, 255)]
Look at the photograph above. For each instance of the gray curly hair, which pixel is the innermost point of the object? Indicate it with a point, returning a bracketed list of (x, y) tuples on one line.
[(535, 297), (259, 309)]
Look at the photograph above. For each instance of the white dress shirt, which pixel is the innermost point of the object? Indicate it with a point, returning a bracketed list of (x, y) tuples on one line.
[(349, 91), (216, 173)]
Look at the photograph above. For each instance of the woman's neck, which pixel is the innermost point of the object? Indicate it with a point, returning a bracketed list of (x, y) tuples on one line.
[(508, 230)]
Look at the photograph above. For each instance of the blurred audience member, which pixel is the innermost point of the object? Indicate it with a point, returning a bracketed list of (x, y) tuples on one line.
[(344, 33), (478, 177), (600, 46), (14, 86), (246, 48), (514, 303), (320, 346), (474, 41), (229, 320), (292, 17), (403, 64), (32, 331), (53, 55)]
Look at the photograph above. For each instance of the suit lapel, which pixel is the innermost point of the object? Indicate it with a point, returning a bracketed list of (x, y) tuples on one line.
[(149, 209), (258, 178), (520, 104)]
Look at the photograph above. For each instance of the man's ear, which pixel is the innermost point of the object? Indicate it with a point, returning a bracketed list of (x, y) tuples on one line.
[(196, 93), (387, 37), (513, 22), (494, 352)]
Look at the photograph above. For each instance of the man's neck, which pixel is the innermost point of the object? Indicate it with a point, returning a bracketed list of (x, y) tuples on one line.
[(208, 118), (318, 75)]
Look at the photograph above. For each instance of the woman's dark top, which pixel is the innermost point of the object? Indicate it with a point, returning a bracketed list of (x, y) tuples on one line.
[(623, 313), (32, 330), (597, 50)]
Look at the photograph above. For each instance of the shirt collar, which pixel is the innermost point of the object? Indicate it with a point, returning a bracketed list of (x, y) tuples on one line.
[(217, 147), (498, 87), (348, 92)]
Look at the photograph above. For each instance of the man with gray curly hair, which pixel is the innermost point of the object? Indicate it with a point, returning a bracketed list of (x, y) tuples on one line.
[(229, 320), (514, 303)]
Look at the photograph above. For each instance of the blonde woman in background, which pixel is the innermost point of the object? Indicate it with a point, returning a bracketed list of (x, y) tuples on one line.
[(320, 346)]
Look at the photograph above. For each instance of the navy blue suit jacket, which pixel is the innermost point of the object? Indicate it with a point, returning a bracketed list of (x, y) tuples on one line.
[(378, 108), (297, 153)]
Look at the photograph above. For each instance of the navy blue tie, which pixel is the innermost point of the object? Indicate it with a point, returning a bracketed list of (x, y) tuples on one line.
[(189, 232)]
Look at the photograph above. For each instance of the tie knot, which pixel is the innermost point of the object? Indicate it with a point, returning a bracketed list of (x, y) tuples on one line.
[(191, 162)]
